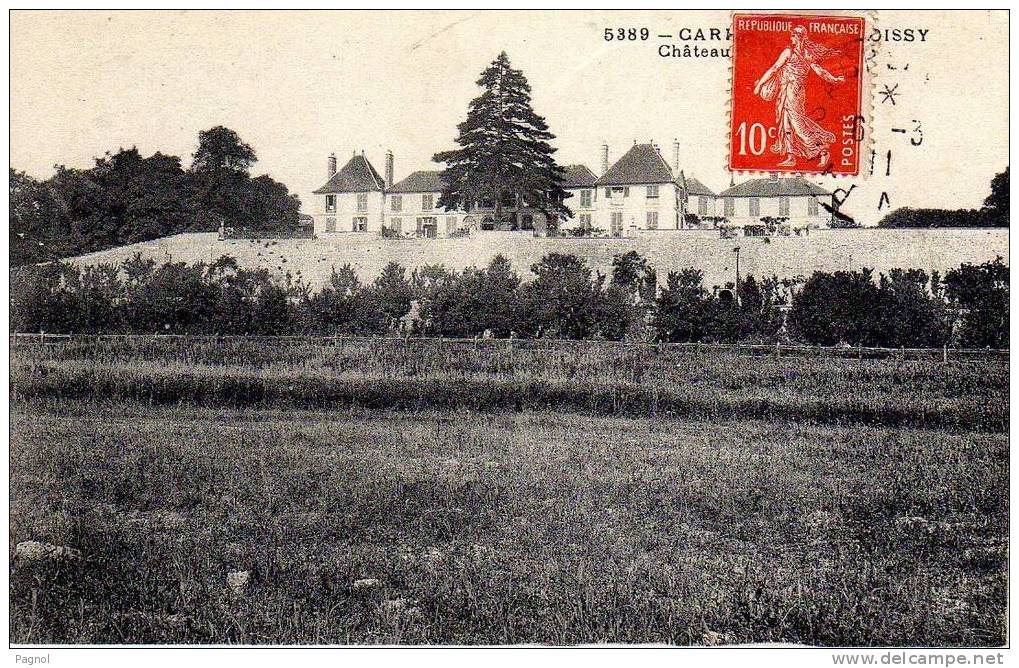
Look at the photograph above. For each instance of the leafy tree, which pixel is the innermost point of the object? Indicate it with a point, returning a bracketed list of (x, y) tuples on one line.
[(40, 301), (759, 314), (221, 148), (175, 298), (910, 314), (504, 152), (626, 303), (980, 293), (933, 218), (836, 308), (269, 209), (96, 290), (616, 316), (632, 271), (475, 301), (500, 292), (37, 227), (344, 306), (392, 294), (994, 212), (126, 197), (427, 279), (273, 313), (141, 196), (996, 204), (681, 307), (561, 300)]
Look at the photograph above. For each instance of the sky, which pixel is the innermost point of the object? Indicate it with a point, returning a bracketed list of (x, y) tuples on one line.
[(299, 85)]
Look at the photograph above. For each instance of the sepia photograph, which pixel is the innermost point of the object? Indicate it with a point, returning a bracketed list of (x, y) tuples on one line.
[(509, 328)]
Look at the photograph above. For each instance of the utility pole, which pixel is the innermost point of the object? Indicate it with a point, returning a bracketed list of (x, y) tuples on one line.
[(736, 251)]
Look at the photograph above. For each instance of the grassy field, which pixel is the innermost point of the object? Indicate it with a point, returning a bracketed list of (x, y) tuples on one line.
[(585, 497)]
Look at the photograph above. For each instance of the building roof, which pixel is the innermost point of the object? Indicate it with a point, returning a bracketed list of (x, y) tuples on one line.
[(419, 182), (357, 176), (579, 176), (641, 164), (774, 187), (695, 187)]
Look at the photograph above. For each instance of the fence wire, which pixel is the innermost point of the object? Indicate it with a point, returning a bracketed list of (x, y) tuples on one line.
[(507, 346)]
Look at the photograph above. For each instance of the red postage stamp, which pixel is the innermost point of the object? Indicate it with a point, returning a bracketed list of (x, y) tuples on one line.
[(797, 86)]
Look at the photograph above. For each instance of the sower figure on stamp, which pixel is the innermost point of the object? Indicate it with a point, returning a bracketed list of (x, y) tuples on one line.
[(798, 134)]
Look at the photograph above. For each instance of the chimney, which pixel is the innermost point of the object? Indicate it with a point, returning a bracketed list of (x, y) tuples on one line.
[(604, 158), (332, 164), (675, 156), (389, 169)]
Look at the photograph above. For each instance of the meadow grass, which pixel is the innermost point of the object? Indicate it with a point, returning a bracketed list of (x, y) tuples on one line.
[(634, 381), (510, 496), (517, 528)]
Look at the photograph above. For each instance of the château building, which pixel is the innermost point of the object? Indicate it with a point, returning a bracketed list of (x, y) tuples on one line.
[(639, 193)]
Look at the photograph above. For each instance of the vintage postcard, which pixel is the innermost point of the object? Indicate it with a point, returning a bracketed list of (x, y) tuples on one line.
[(510, 328)]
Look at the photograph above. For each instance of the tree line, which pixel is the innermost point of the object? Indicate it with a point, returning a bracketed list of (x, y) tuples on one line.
[(968, 306), (994, 212), (127, 197)]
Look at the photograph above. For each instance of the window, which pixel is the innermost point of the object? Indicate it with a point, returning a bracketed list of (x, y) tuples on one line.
[(585, 199), (396, 224), (427, 203), (755, 206), (608, 193), (812, 206), (330, 203), (427, 227), (450, 224), (585, 221), (397, 203), (330, 224), (702, 206), (362, 201), (617, 223), (652, 220), (626, 192), (783, 206), (652, 192), (730, 206), (360, 224)]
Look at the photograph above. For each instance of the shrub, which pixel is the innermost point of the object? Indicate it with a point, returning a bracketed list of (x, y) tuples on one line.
[(561, 300), (981, 296), (836, 308)]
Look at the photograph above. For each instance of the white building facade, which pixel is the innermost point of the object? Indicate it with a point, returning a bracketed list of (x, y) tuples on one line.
[(638, 193), (793, 202)]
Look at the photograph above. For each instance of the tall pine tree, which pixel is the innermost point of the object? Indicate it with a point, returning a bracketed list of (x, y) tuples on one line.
[(504, 150)]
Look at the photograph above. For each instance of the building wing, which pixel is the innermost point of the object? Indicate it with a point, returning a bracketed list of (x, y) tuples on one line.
[(419, 182), (774, 187), (578, 176), (641, 164), (695, 187), (357, 176)]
